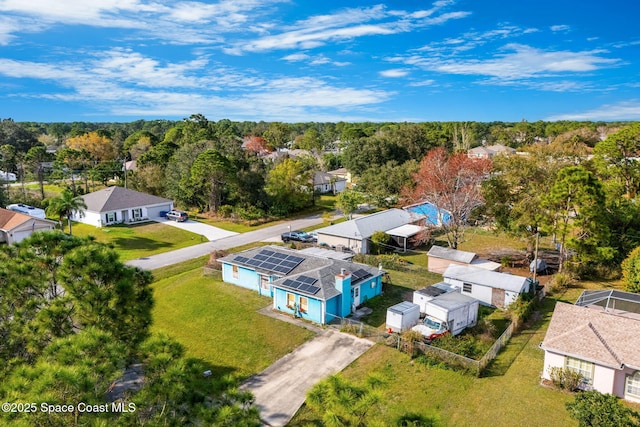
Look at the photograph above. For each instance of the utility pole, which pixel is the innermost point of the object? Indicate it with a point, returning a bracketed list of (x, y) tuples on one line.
[(535, 258)]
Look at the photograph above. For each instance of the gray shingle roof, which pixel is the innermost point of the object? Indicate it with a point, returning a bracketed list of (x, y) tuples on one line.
[(594, 335), (364, 227), (114, 198), (451, 254), (324, 270), (479, 276)]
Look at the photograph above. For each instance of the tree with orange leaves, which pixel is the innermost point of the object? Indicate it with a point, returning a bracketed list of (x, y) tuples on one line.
[(451, 182)]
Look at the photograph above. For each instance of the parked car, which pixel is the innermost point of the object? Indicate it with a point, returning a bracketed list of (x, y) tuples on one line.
[(298, 236), (176, 215)]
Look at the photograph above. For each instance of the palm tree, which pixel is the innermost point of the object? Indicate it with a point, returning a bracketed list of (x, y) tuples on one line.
[(66, 205)]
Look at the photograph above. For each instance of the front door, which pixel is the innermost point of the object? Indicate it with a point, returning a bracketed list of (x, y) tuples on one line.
[(355, 293)]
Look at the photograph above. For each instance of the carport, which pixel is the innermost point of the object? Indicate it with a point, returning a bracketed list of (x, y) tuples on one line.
[(402, 234)]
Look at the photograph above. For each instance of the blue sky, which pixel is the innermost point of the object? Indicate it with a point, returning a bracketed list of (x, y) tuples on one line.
[(300, 61)]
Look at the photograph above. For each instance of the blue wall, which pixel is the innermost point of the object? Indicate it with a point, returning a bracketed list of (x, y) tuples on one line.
[(367, 291), (247, 278), (313, 313)]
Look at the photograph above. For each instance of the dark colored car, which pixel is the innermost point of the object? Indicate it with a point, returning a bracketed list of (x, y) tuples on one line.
[(298, 236), (179, 216)]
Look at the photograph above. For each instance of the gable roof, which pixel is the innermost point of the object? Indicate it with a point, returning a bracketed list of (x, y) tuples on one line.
[(479, 276), (364, 227), (594, 335), (114, 198), (451, 254), (322, 178), (324, 270), (10, 219)]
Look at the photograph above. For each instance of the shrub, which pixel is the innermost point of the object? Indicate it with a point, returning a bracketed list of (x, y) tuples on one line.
[(564, 378)]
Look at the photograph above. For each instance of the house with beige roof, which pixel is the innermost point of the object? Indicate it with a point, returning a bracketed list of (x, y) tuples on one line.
[(116, 205), (602, 345), (16, 226)]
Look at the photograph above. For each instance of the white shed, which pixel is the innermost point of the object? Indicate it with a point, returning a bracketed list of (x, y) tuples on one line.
[(489, 287), (401, 317)]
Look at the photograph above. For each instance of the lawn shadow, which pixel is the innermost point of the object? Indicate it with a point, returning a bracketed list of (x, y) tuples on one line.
[(136, 242), (518, 342)]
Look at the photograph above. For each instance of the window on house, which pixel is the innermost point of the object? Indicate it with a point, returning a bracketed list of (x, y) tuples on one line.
[(304, 304), (632, 387), (466, 287), (137, 213), (291, 300), (582, 367), (264, 283), (111, 217), (234, 268)]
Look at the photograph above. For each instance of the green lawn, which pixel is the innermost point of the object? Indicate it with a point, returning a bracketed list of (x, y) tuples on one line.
[(220, 324), (135, 241)]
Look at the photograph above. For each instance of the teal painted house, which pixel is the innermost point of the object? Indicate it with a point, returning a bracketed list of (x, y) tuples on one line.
[(311, 287)]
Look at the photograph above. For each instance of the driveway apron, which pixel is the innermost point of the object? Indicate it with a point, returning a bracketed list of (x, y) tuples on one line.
[(281, 389)]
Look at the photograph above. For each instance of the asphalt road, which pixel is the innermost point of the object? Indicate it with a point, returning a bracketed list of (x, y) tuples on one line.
[(264, 234)]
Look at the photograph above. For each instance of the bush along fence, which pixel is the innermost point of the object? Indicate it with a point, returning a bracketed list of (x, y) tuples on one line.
[(412, 344)]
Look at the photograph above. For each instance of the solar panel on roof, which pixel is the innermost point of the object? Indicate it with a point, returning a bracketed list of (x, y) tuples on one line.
[(279, 255), (254, 262), (295, 259), (360, 275), (282, 269), (313, 290), (267, 252), (261, 257), (268, 265), (241, 259), (289, 264)]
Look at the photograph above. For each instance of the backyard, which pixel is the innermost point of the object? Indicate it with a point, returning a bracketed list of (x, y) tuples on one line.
[(220, 324)]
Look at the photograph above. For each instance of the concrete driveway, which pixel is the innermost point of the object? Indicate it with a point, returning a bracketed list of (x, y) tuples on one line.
[(210, 232), (282, 388)]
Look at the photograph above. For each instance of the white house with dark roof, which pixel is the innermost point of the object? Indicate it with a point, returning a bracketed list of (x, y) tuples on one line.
[(439, 258), (603, 346), (325, 182), (489, 287), (116, 205), (16, 226), (355, 234), (314, 288)]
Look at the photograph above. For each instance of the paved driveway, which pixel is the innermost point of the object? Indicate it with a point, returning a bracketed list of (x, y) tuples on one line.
[(282, 388), (210, 232)]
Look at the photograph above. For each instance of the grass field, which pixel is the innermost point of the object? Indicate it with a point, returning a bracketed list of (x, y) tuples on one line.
[(135, 241), (220, 324)]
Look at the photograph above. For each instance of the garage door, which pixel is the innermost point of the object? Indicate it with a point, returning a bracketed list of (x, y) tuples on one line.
[(154, 211)]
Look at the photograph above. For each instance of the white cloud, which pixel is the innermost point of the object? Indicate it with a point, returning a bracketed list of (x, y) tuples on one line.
[(124, 82), (519, 62), (560, 28), (429, 82), (345, 25), (396, 72), (296, 57), (624, 110)]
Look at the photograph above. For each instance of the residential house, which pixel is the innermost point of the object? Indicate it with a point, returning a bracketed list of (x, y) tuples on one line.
[(16, 226), (432, 214), (354, 235), (311, 287), (599, 344), (341, 173), (489, 151), (325, 182), (439, 258), (489, 287), (116, 205)]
